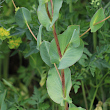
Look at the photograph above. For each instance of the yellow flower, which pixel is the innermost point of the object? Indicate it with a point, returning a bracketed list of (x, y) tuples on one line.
[(4, 33), (14, 42)]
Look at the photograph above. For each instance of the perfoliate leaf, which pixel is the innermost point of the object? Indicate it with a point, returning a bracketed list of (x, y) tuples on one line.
[(71, 56), (98, 16), (54, 86), (71, 48), (44, 51), (39, 37), (43, 17), (57, 4), (22, 17)]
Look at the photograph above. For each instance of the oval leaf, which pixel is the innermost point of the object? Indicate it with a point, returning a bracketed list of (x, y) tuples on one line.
[(39, 37), (98, 16), (57, 5), (22, 16), (54, 86), (71, 56), (69, 41), (44, 51), (43, 17)]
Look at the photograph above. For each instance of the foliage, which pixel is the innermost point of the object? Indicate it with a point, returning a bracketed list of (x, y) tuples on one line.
[(65, 62)]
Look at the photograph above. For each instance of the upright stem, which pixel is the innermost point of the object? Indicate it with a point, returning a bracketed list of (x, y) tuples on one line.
[(91, 105), (0, 69), (93, 98), (59, 52), (63, 82), (5, 66), (56, 40), (94, 40), (14, 4), (71, 10), (84, 95)]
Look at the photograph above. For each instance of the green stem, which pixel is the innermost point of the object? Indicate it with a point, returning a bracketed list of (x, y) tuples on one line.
[(0, 68), (84, 95), (97, 90), (71, 10), (70, 7), (94, 98), (5, 66), (103, 98), (94, 40)]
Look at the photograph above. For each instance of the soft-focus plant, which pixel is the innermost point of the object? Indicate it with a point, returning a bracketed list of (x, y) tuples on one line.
[(65, 50)]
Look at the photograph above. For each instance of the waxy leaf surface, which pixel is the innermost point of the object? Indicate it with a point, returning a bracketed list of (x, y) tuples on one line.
[(54, 86), (39, 37), (43, 17), (22, 17), (44, 51), (98, 16), (71, 47), (57, 4)]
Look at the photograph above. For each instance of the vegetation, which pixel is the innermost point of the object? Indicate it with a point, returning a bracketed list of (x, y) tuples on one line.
[(54, 55)]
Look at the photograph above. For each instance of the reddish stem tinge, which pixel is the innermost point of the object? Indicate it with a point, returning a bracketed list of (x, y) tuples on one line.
[(63, 82), (56, 40)]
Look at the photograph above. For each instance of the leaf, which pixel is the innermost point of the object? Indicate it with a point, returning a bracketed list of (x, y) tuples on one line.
[(41, 2), (43, 17), (101, 63), (54, 86), (71, 56), (98, 16), (76, 87), (44, 51), (2, 100), (7, 1), (70, 47), (77, 108), (33, 49), (39, 37), (57, 4), (3, 106), (22, 16), (10, 85), (43, 79)]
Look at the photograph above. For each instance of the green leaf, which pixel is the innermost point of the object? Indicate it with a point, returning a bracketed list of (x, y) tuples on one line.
[(54, 86), (77, 108), (70, 47), (76, 87), (7, 1), (98, 16), (41, 2), (22, 16), (44, 51), (43, 17), (75, 40), (39, 37), (57, 4), (71, 56), (10, 85), (3, 106), (2, 100)]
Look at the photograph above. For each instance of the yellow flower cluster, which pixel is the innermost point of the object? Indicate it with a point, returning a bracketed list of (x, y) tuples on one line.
[(4, 34), (14, 42)]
